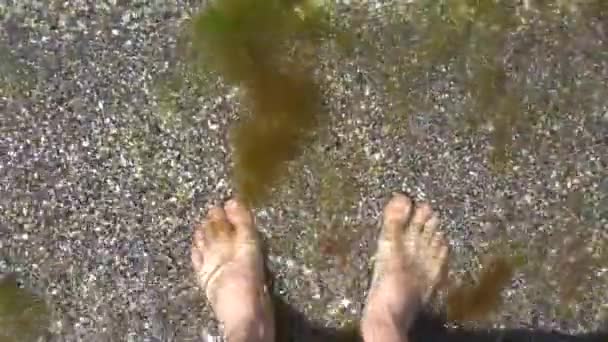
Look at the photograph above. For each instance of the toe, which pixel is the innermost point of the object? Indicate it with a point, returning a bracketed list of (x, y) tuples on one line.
[(197, 259), (218, 230), (241, 218), (422, 215), (430, 227), (444, 251), (437, 241), (396, 214), (214, 227), (442, 259), (198, 239), (216, 214), (440, 250)]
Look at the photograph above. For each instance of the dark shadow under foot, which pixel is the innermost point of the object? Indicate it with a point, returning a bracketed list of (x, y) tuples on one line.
[(294, 326)]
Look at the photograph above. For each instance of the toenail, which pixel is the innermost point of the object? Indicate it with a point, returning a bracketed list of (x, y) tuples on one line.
[(232, 204), (399, 203)]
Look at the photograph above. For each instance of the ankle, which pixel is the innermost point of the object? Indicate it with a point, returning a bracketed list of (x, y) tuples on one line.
[(384, 319), (250, 326), (255, 329), (251, 320), (382, 328)]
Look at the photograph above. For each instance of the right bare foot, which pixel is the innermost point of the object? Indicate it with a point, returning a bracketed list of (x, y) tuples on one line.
[(410, 263)]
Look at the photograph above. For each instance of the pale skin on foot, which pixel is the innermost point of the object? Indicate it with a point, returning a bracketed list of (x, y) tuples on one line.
[(409, 265)]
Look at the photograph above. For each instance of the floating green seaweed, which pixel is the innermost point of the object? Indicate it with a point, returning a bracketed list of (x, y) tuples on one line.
[(23, 316)]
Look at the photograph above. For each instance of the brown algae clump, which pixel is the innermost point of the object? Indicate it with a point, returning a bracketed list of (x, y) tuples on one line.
[(476, 302), (256, 45)]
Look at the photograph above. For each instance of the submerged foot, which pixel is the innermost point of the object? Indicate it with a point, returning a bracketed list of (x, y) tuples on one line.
[(410, 263), (229, 267)]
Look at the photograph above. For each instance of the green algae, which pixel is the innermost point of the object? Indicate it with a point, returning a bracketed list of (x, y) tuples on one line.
[(23, 315)]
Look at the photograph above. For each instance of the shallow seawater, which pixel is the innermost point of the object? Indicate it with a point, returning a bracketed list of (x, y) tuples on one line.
[(515, 91), (283, 100)]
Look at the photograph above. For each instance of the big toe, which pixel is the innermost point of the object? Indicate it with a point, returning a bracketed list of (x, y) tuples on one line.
[(239, 215), (212, 228), (209, 229), (396, 214), (216, 227)]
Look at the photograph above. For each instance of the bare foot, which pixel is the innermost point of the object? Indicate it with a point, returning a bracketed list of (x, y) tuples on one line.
[(410, 263), (229, 266)]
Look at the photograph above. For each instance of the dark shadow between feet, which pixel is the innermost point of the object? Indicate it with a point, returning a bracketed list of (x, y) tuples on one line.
[(293, 326)]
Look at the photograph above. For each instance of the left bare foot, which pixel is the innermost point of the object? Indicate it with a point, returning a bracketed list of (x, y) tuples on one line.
[(229, 266)]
